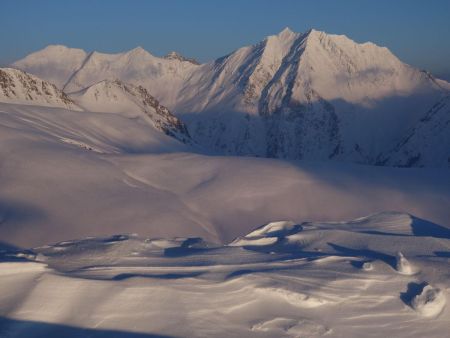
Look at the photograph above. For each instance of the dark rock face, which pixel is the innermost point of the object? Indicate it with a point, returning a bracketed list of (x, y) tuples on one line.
[(161, 117), (6, 83), (179, 57)]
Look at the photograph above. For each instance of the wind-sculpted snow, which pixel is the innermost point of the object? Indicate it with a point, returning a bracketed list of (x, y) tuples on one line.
[(430, 302), (312, 281)]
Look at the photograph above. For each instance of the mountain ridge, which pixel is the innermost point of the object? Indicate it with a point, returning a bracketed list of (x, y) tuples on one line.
[(310, 95), (134, 102), (17, 86), (131, 101)]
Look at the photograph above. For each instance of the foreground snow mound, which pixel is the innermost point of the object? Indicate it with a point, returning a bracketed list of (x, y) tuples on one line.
[(404, 266), (274, 229), (377, 238), (313, 279), (430, 302), (267, 234)]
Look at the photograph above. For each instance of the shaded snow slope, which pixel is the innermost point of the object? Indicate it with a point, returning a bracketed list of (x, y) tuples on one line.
[(20, 87), (311, 282), (428, 142), (68, 174)]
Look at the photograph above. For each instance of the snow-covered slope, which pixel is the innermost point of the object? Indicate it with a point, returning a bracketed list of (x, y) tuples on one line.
[(428, 142), (131, 101), (162, 77), (382, 275), (54, 63), (309, 95), (312, 96), (224, 246), (19, 87), (68, 174), (73, 70)]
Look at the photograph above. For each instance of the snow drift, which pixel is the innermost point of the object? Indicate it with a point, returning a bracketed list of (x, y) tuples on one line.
[(133, 286)]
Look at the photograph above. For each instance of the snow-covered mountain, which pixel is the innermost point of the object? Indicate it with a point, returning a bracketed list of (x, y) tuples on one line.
[(54, 63), (176, 56), (307, 95), (162, 77), (310, 96), (17, 86), (131, 101)]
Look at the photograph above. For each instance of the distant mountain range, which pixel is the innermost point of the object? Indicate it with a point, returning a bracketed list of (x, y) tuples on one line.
[(19, 87), (312, 96)]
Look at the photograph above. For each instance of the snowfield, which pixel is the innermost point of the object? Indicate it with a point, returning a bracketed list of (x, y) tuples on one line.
[(308, 280), (70, 174)]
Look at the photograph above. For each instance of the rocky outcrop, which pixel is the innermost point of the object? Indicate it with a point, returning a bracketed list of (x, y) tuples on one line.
[(20, 87)]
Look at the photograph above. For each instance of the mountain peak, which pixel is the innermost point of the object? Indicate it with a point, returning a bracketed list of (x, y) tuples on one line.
[(286, 33), (313, 33), (138, 51), (61, 59), (55, 51), (56, 47), (286, 30), (59, 49), (289, 34), (177, 56)]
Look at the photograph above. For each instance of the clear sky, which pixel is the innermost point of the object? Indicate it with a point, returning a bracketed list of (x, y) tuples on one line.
[(418, 31)]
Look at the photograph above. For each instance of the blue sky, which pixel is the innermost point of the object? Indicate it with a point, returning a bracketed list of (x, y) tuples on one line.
[(417, 31)]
